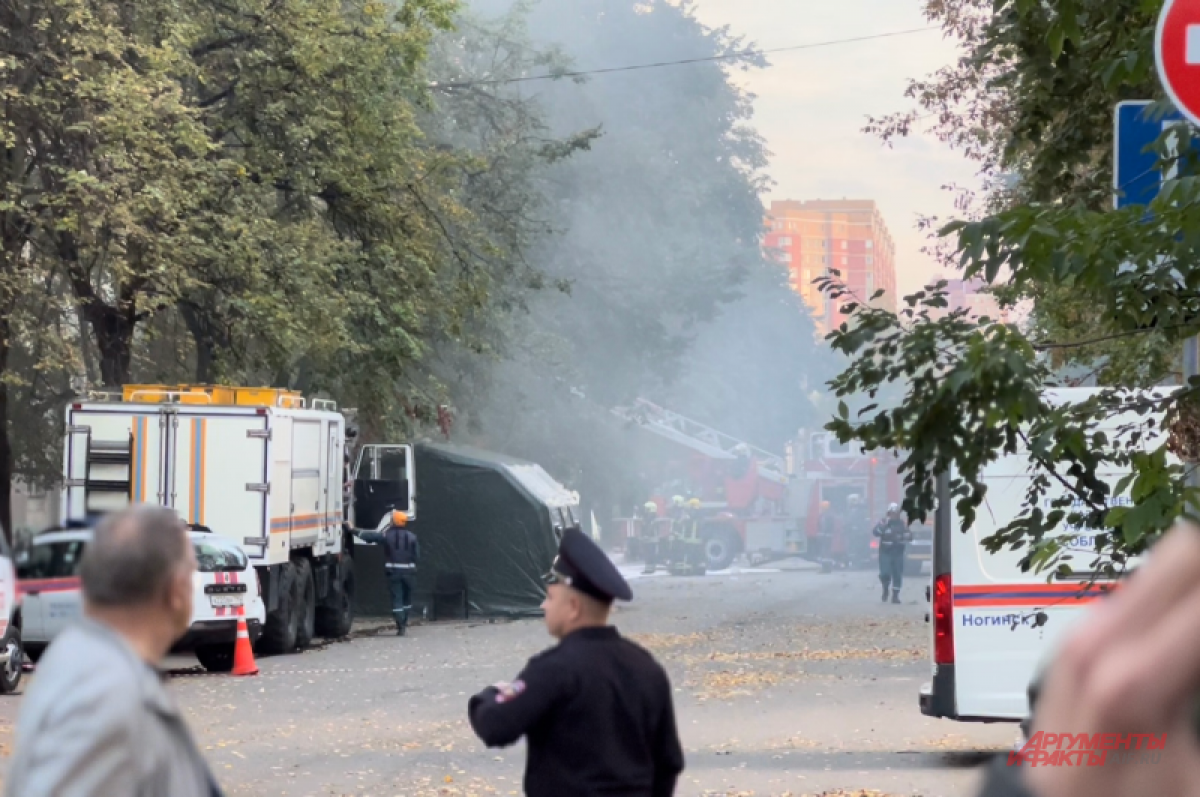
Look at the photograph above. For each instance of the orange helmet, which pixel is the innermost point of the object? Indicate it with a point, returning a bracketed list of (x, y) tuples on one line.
[(399, 518)]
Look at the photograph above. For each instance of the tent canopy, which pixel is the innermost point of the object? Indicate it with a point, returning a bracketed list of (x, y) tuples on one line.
[(493, 518)]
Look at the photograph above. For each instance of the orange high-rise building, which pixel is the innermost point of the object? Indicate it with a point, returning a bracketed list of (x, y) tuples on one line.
[(848, 236)]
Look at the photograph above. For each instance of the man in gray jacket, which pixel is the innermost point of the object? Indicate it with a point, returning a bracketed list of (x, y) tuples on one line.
[(97, 721)]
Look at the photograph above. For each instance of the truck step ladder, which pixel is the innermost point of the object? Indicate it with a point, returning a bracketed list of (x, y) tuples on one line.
[(109, 474), (700, 438)]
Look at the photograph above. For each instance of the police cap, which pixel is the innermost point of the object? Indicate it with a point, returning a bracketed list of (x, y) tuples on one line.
[(581, 565)]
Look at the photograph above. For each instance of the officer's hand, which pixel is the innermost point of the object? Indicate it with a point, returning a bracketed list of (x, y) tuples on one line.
[(508, 691), (1132, 667)]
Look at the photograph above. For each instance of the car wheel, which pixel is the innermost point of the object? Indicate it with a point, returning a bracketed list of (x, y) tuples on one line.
[(306, 606), (279, 632), (216, 658), (335, 620), (10, 676)]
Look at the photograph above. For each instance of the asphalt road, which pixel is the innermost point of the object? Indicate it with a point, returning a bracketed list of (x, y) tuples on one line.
[(788, 682)]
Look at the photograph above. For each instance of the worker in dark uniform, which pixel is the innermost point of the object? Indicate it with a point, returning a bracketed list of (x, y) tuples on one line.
[(894, 538), (402, 552), (596, 709)]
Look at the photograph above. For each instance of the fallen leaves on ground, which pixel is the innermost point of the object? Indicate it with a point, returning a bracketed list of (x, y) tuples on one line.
[(834, 793), (845, 654)]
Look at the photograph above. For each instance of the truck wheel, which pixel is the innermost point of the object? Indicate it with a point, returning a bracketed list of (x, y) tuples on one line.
[(334, 621), (10, 676), (721, 548), (279, 632), (306, 605), (215, 658)]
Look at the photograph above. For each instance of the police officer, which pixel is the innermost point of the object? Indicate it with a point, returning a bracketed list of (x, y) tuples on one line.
[(596, 709), (402, 551), (894, 537)]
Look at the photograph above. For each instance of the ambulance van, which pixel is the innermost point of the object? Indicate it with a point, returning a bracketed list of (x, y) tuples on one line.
[(987, 636)]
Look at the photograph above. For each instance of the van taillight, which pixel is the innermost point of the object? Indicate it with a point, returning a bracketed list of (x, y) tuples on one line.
[(943, 621)]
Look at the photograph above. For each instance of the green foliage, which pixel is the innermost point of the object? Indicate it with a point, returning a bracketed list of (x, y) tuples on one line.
[(1114, 292)]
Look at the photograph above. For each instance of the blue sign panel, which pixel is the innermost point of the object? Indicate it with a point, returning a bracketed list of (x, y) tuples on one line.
[(1136, 176)]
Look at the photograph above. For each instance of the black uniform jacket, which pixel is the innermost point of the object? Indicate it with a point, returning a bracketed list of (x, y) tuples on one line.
[(597, 714)]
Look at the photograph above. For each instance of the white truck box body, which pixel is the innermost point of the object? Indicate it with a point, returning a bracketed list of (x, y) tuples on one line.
[(268, 477)]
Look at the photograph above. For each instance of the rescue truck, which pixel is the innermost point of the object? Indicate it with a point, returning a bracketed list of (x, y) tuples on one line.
[(264, 467), (992, 624)]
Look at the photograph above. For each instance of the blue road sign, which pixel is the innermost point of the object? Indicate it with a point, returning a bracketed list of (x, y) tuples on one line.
[(1136, 176)]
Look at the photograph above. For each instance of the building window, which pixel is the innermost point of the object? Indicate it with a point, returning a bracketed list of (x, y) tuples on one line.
[(870, 260), (845, 260), (785, 257), (845, 244), (785, 241), (870, 244)]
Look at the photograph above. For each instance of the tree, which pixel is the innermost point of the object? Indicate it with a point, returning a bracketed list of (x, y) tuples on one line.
[(249, 191), (974, 390)]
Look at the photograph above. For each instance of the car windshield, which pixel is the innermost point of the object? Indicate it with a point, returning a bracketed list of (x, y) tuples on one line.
[(59, 559), (219, 555)]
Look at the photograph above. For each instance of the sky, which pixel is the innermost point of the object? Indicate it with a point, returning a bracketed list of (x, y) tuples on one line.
[(812, 106)]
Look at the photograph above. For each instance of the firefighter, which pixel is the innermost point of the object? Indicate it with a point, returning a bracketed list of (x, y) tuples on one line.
[(402, 551), (678, 515), (693, 546), (894, 537), (650, 542), (825, 527)]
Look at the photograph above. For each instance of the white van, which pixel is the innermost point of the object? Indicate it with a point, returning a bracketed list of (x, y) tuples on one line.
[(985, 641)]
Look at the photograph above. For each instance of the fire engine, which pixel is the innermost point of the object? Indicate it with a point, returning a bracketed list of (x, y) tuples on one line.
[(765, 505)]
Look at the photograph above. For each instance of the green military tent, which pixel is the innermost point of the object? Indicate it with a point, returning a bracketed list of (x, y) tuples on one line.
[(492, 519)]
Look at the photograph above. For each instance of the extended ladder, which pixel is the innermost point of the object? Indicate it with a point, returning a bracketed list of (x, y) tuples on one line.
[(698, 437)]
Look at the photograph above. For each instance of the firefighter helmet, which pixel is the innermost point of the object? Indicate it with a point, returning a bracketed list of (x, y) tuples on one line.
[(694, 503), (650, 506), (677, 500)]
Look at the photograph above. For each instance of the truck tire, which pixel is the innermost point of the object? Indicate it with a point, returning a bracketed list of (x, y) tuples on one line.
[(10, 675), (279, 632), (215, 658), (721, 547), (335, 620), (306, 604)]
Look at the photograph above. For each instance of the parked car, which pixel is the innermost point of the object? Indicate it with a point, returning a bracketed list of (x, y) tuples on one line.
[(225, 581)]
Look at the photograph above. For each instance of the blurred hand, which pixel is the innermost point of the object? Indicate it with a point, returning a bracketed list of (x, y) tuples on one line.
[(507, 691), (1132, 667)]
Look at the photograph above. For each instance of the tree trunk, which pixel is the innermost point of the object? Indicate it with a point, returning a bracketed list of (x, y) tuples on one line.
[(204, 340), (113, 329)]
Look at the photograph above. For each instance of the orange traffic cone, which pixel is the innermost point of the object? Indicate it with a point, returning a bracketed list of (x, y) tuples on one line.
[(243, 654)]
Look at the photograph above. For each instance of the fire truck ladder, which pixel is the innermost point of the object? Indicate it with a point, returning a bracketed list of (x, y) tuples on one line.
[(698, 437)]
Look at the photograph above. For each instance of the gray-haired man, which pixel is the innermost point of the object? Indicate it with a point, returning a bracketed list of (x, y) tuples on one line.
[(97, 719)]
